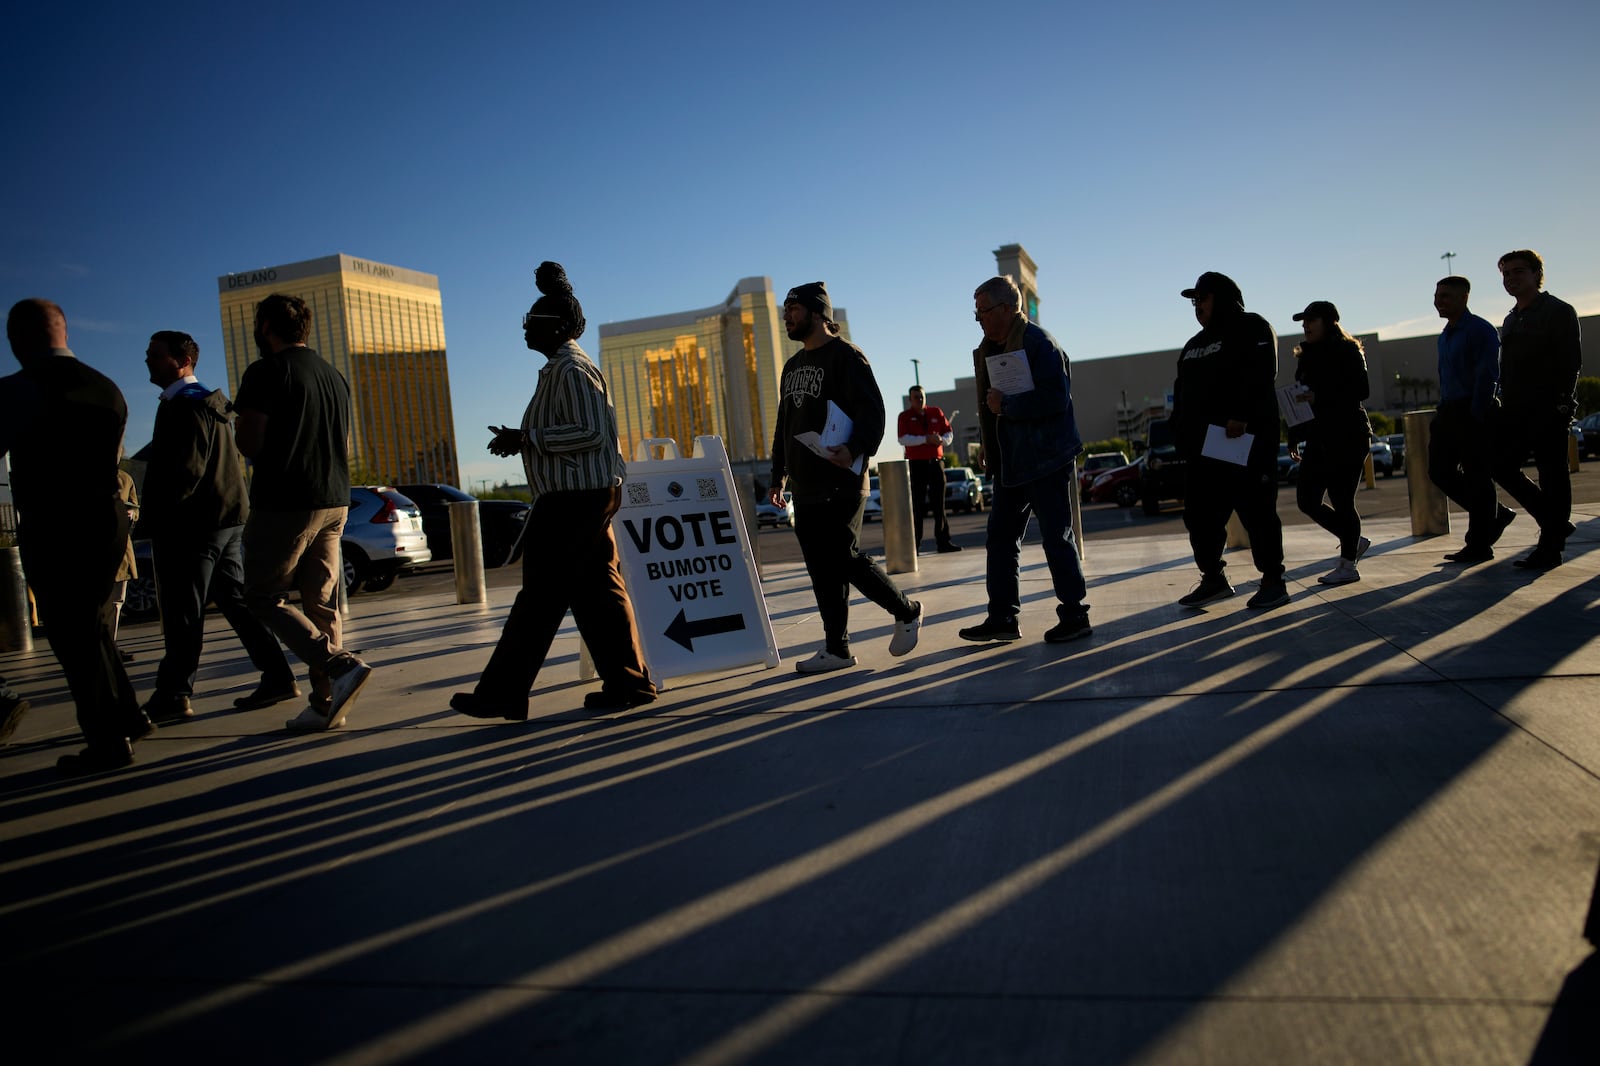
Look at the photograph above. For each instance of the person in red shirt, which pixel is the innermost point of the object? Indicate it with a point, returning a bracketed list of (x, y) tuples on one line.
[(925, 432)]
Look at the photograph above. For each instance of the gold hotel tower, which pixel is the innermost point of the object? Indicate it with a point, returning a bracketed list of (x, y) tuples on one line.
[(713, 371), (382, 327)]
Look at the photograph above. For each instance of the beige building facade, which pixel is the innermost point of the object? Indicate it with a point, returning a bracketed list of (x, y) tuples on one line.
[(712, 371), (380, 326)]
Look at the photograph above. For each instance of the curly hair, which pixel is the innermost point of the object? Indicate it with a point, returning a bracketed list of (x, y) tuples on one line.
[(558, 300)]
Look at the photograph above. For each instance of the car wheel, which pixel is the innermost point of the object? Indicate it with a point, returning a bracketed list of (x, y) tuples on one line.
[(139, 604), (379, 582), (1127, 495), (355, 568)]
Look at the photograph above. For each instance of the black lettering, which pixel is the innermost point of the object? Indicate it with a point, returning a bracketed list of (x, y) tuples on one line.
[(641, 543), (669, 533), (722, 528)]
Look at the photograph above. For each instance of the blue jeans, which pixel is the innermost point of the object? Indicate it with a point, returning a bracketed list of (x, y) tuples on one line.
[(189, 571), (1010, 507)]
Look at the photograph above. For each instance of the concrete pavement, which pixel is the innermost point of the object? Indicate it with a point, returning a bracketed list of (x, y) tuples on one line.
[(1361, 828)]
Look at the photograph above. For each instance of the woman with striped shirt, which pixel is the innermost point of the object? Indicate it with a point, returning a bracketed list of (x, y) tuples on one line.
[(568, 444)]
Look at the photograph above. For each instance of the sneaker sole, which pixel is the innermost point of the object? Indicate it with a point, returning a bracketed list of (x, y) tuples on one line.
[(800, 668), (341, 708), (1267, 606), (1186, 602), (1079, 635)]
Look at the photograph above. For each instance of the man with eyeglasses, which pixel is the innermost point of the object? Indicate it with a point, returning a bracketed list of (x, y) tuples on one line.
[(1541, 355), (829, 481), (1226, 386), (1030, 446)]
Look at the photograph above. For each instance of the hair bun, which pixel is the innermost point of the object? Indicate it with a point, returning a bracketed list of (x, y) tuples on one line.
[(551, 279)]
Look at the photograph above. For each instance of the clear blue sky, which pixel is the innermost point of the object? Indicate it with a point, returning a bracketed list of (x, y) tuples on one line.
[(661, 152)]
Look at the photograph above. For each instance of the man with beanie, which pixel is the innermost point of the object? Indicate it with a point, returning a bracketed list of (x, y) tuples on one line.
[(1227, 378), (1030, 444), (1458, 436), (925, 433), (1541, 356), (830, 483)]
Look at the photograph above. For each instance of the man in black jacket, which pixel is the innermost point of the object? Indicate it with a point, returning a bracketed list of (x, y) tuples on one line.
[(1226, 379), (62, 423), (1541, 355), (829, 480), (194, 512)]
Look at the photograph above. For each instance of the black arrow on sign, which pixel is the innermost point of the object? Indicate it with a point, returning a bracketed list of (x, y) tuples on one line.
[(684, 631)]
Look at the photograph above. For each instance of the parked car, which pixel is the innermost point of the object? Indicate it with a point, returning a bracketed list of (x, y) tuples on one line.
[(1162, 475), (1397, 445), (1382, 457), (382, 536), (872, 510), (1288, 465), (768, 515), (1119, 485), (1589, 446), (1092, 466), (500, 522), (962, 491), (139, 601)]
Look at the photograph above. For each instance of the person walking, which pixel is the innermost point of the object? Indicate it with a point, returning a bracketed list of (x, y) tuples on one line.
[(1331, 370), (1459, 437), (1226, 386), (1031, 442), (925, 433), (568, 444), (826, 378), (1541, 356)]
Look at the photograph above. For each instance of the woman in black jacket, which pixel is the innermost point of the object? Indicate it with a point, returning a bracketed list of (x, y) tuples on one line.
[(1333, 446)]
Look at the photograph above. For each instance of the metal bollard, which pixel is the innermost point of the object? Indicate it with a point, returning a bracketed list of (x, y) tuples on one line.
[(744, 485), (1572, 454), (466, 545), (1430, 508), (16, 632), (899, 533), (1369, 476)]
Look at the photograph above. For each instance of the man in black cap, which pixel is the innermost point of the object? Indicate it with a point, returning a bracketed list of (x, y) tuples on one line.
[(1226, 379), (828, 377)]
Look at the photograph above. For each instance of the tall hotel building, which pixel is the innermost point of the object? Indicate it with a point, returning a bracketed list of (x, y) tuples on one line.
[(714, 371), (382, 327)]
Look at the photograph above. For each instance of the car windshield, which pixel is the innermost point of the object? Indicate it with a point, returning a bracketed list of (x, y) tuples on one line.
[(955, 473)]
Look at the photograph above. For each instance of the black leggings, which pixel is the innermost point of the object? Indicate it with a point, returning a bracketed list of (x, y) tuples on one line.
[(1333, 467)]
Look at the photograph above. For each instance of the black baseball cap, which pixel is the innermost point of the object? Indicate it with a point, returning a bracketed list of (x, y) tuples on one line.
[(1212, 283), (1319, 309)]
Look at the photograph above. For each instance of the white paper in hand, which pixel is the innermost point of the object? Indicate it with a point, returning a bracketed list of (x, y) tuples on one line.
[(1219, 445), (1010, 373), (835, 432)]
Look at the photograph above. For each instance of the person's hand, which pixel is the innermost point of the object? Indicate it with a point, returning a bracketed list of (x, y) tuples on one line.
[(1294, 453), (996, 397), (839, 455), (775, 496), (1307, 396), (932, 438), (1235, 429), (507, 441)]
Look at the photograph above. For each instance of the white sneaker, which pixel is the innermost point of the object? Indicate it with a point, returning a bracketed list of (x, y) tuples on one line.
[(311, 720), (1362, 544), (905, 633), (825, 662), (1343, 574), (343, 685)]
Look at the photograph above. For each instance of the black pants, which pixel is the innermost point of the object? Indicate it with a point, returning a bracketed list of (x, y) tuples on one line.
[(1516, 433), (829, 532), (927, 497), (1333, 467), (73, 588), (190, 569), (1459, 456), (1213, 490), (569, 561)]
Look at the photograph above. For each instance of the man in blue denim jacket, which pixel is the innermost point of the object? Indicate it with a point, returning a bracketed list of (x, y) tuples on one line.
[(1030, 443)]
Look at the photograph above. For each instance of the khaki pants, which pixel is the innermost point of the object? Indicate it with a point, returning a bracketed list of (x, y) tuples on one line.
[(297, 551)]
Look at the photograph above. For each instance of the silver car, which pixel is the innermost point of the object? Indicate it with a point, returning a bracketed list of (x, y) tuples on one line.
[(382, 536)]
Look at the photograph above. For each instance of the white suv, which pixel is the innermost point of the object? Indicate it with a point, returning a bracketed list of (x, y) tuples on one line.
[(382, 536)]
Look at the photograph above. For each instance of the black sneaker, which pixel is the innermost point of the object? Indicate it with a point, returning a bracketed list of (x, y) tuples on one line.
[(1541, 558), (946, 549), (162, 707), (1472, 553), (992, 629), (1075, 627), (98, 759), (1272, 593), (475, 706), (1212, 587)]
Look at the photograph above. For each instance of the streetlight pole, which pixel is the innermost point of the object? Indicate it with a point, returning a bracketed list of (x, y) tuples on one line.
[(1449, 259), (916, 370)]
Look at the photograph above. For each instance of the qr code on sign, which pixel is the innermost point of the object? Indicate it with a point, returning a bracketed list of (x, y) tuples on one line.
[(707, 487), (638, 493)]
